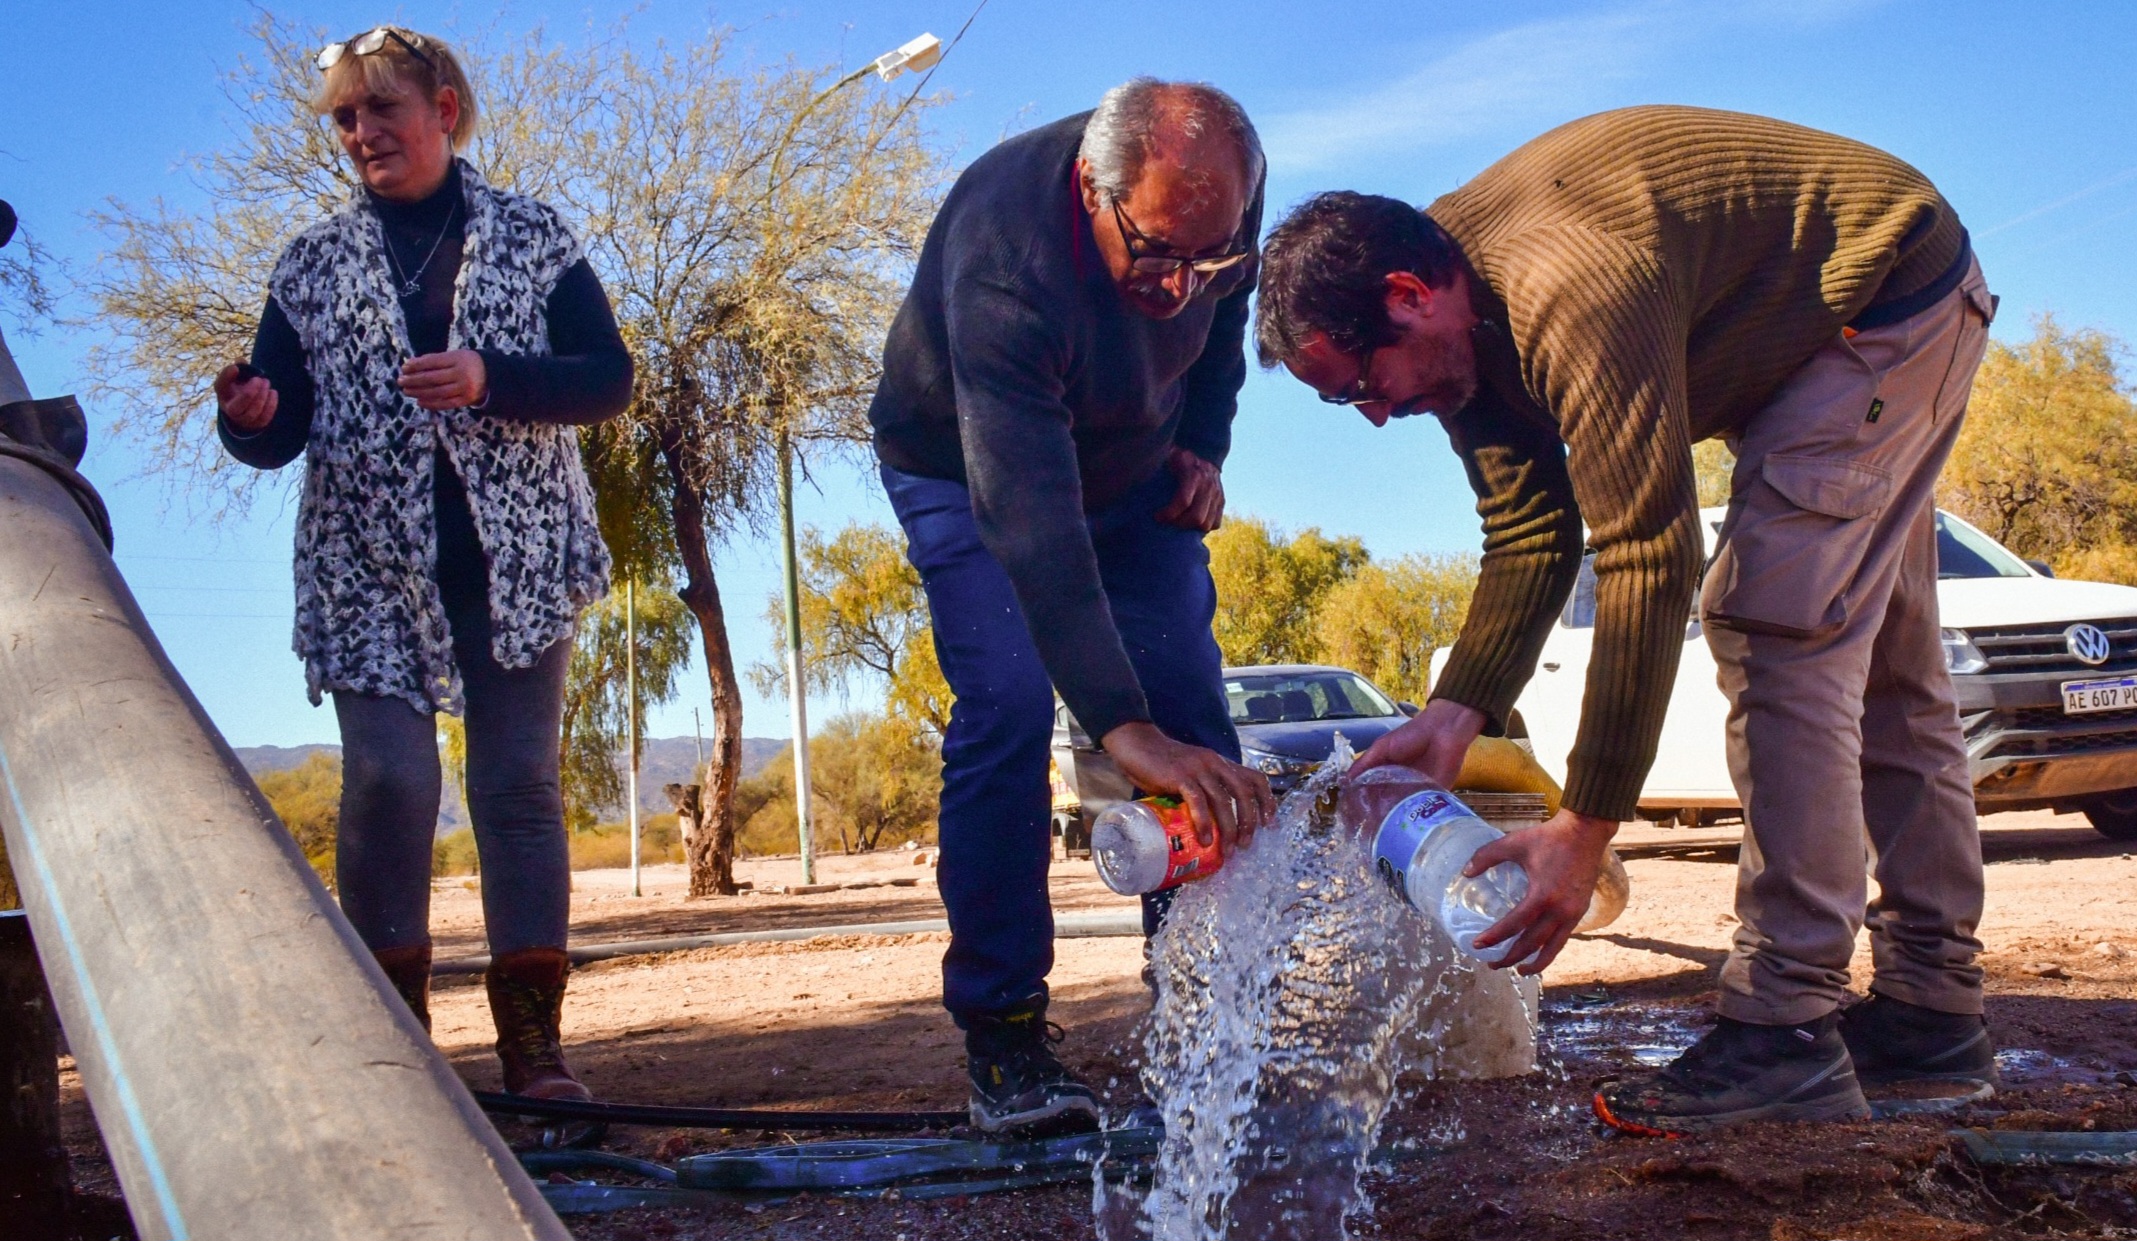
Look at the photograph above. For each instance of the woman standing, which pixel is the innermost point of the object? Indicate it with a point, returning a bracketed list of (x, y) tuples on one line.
[(430, 347)]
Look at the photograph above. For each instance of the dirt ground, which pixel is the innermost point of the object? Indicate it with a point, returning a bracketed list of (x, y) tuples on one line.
[(854, 1023)]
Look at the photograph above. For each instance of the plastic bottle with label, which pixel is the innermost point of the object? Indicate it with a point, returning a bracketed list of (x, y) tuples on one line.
[(1423, 838)]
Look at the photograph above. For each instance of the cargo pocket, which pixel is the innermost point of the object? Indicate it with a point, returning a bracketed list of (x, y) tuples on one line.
[(1796, 546)]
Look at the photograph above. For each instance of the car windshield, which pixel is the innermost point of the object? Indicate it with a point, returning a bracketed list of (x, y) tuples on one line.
[(1963, 551), (1272, 698)]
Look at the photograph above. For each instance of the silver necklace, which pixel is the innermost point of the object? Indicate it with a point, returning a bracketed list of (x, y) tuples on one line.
[(411, 285)]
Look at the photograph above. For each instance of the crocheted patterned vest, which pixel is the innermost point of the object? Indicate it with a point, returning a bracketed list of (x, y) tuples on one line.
[(369, 616)]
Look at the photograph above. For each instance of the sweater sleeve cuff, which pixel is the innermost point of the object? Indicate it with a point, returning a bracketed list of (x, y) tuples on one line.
[(1211, 444), (1110, 712), (1608, 793)]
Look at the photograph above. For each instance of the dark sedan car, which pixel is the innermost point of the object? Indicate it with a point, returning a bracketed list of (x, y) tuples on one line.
[(1288, 716)]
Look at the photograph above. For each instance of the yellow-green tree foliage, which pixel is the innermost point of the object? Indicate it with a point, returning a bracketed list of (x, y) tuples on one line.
[(873, 780), (764, 809), (307, 798), (1270, 586), (863, 616), (1385, 620), (1712, 464), (2047, 461)]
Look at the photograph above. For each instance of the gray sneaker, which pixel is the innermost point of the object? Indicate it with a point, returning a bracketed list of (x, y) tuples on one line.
[(1740, 1072)]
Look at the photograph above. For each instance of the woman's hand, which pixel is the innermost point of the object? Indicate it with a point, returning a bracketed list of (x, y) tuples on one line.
[(1224, 799), (248, 403), (452, 380)]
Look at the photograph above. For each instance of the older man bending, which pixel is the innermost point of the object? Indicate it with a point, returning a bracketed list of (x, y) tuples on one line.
[(1057, 399)]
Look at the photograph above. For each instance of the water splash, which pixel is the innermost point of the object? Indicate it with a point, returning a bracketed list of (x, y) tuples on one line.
[(1288, 984)]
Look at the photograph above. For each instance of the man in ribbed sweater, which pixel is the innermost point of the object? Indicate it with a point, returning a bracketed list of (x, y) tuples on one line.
[(1577, 317), (1057, 397)]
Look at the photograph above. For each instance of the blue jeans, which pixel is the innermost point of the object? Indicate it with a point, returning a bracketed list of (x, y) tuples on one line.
[(996, 844)]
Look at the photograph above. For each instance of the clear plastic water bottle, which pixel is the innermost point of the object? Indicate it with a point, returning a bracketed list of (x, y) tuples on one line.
[(1423, 838)]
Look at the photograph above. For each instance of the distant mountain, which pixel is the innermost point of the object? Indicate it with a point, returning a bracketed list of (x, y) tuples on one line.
[(261, 759), (673, 760), (667, 760)]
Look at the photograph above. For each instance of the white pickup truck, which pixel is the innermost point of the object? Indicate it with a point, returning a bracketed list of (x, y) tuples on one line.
[(2045, 673)]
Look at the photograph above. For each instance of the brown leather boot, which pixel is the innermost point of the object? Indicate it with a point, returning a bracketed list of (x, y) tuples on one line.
[(408, 969), (527, 1002)]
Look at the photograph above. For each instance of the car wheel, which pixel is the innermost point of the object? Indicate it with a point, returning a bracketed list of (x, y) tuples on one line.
[(2115, 815)]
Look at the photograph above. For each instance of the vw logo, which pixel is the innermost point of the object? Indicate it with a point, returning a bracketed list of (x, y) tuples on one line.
[(2088, 645)]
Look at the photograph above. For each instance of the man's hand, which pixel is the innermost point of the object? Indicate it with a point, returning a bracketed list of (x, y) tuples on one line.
[(1563, 858), (1224, 799), (1199, 503), (446, 380), (1434, 741), (248, 404)]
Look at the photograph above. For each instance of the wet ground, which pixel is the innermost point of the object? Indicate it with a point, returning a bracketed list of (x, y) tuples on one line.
[(853, 1023)]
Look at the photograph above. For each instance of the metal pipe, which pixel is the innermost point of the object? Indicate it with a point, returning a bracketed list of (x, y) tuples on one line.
[(1066, 926), (251, 1069)]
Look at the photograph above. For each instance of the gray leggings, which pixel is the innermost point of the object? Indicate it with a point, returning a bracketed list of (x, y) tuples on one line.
[(391, 782)]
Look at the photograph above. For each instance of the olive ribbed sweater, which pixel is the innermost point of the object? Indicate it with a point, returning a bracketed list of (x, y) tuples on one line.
[(1651, 277)]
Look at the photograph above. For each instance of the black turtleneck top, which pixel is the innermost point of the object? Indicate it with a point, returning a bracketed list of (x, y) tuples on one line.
[(586, 378)]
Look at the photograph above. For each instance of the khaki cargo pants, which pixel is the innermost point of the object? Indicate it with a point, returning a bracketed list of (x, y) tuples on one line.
[(1843, 738)]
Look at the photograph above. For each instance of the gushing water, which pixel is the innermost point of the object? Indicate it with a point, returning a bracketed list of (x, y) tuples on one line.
[(1286, 985)]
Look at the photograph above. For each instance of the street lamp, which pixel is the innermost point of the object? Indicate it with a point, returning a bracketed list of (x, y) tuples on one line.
[(914, 57)]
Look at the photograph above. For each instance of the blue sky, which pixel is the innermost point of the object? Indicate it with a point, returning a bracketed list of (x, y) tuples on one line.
[(2021, 113)]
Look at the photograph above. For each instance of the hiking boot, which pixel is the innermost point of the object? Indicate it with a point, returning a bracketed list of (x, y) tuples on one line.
[(1893, 1041), (1740, 1072), (408, 969), (1018, 1085), (527, 1003)]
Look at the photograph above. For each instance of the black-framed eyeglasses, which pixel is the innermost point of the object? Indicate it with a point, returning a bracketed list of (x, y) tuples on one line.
[(1359, 392), (369, 43), (1142, 259)]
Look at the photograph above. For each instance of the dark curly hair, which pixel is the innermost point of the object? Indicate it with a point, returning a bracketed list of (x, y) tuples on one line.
[(1325, 267)]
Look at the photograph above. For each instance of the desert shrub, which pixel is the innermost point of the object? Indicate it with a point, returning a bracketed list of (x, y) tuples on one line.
[(606, 846), (876, 781), (454, 854), (307, 798)]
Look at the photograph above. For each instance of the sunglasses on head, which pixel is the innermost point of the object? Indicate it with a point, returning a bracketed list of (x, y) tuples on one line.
[(369, 43)]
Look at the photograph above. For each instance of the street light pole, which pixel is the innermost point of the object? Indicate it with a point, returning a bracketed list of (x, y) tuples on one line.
[(797, 691), (913, 57), (630, 710)]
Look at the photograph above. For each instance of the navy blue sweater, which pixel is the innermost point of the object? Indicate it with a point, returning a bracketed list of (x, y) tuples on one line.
[(1015, 367)]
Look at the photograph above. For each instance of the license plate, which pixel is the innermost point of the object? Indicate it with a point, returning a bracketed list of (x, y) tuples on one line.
[(2086, 697)]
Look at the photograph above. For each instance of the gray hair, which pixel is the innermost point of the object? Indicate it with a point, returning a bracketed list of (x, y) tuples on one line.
[(1118, 138)]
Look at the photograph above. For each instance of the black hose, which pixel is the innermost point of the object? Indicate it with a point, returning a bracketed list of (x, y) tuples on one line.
[(715, 1117)]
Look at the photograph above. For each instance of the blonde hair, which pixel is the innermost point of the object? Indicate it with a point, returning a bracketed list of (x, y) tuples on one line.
[(392, 69)]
